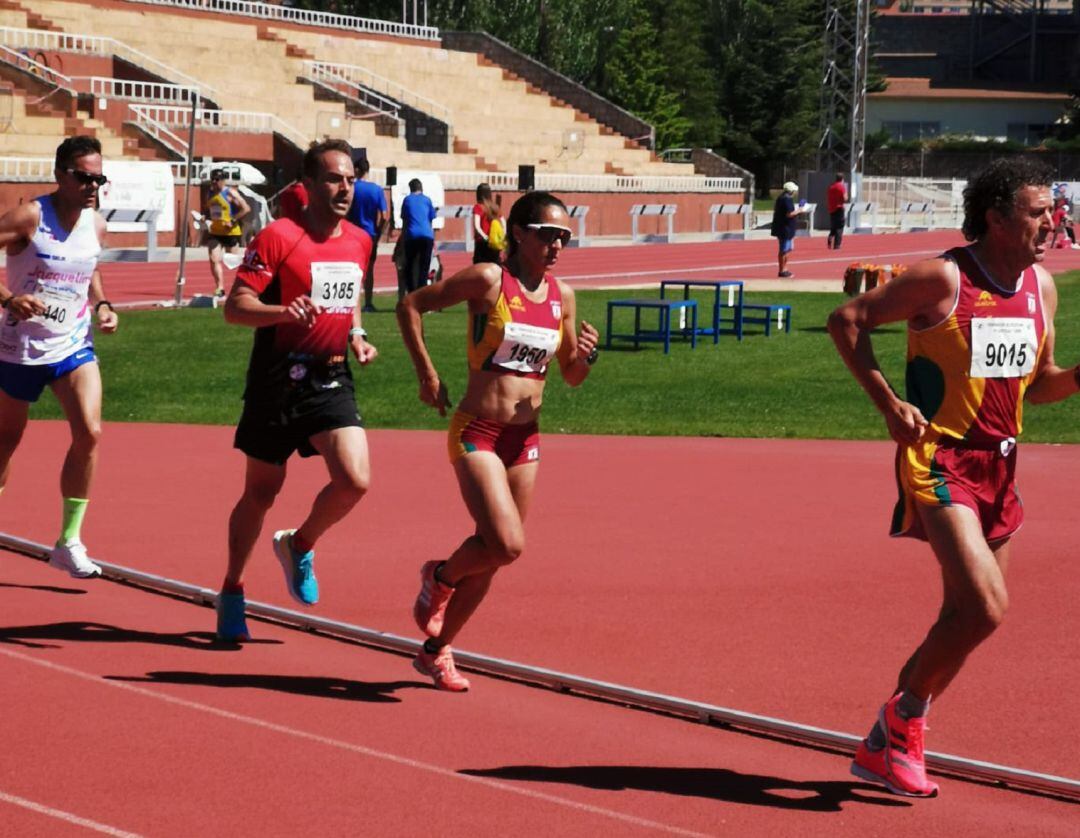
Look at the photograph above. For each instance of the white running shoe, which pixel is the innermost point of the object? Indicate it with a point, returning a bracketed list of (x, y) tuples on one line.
[(71, 557)]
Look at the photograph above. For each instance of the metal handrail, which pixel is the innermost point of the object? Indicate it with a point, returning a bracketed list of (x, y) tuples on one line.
[(158, 131), (307, 17), (42, 39), (354, 72), (24, 62), (212, 119), (146, 91), (359, 93), (560, 182)]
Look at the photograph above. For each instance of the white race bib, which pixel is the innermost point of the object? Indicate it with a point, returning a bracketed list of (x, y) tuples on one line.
[(526, 348), (1002, 347), (62, 307), (336, 284)]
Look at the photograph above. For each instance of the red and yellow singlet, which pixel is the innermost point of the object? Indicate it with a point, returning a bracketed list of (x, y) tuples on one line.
[(518, 336), (967, 375)]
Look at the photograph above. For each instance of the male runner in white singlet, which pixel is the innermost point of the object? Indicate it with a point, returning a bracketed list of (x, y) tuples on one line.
[(51, 293)]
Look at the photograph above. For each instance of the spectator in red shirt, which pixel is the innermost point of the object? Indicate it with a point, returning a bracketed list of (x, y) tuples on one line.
[(293, 200), (481, 221), (835, 198)]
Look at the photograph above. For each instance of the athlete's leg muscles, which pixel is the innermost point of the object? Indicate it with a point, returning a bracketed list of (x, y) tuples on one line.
[(345, 451), (79, 394), (262, 482), (975, 598), (13, 418), (217, 269), (497, 499)]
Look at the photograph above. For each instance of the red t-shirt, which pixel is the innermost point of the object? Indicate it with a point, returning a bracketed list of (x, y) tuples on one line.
[(284, 262), (836, 196), (485, 221), (292, 201)]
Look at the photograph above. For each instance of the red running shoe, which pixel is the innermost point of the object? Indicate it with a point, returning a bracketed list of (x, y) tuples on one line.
[(430, 606), (904, 763), (440, 668)]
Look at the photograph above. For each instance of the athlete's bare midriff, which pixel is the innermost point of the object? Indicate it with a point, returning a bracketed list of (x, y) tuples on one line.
[(512, 399)]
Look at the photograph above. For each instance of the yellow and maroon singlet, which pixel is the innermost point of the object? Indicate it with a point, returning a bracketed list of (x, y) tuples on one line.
[(967, 375), (518, 336)]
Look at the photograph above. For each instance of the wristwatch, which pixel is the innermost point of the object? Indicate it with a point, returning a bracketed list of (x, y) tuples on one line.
[(356, 330)]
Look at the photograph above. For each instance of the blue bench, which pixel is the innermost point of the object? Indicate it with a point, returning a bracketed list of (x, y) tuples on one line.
[(764, 314), (734, 302), (662, 332)]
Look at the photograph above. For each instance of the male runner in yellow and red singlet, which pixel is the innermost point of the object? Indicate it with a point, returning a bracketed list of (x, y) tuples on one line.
[(980, 340)]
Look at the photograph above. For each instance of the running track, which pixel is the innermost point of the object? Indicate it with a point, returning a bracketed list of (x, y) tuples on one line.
[(753, 574), (602, 267)]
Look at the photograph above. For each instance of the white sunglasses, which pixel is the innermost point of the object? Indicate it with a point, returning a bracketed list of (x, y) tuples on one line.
[(550, 233)]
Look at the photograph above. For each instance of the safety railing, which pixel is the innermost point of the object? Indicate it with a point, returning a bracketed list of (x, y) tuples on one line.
[(165, 118), (371, 99), (15, 58), (356, 74), (137, 91), (158, 130), (26, 169), (47, 41), (307, 17), (561, 182)]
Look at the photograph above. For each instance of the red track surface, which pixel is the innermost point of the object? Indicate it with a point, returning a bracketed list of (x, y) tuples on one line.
[(625, 265), (751, 574)]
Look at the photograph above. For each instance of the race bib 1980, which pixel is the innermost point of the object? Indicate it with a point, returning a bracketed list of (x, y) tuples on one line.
[(1003, 347), (336, 284)]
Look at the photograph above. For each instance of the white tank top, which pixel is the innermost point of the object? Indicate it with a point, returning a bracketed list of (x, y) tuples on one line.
[(56, 268)]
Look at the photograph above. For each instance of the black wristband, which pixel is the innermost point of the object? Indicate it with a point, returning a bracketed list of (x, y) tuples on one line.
[(7, 302), (590, 359), (101, 303)]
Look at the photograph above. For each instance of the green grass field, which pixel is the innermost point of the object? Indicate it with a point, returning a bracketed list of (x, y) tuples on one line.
[(188, 366)]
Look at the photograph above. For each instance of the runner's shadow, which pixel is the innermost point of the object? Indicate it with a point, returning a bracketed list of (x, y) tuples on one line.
[(317, 687), (709, 783), (52, 589), (85, 632)]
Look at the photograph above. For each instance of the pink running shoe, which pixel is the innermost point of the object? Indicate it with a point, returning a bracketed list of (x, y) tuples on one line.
[(870, 765), (430, 606), (905, 765), (440, 668)]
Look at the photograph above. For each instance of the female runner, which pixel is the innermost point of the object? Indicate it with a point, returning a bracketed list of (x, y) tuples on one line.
[(522, 317)]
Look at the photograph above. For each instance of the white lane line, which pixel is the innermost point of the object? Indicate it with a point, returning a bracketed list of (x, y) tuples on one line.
[(741, 267), (67, 817), (353, 748)]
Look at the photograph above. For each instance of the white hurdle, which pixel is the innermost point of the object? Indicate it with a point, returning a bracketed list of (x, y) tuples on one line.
[(664, 211), (1017, 778), (578, 213), (459, 211), (717, 210)]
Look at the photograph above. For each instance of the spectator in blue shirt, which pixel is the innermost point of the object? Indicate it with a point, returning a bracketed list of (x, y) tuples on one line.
[(368, 212), (417, 213), (783, 225)]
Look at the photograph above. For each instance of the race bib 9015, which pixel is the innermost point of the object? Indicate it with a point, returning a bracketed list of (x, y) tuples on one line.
[(1003, 347), (336, 284)]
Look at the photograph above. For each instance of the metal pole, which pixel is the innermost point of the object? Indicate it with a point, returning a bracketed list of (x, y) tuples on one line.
[(970, 768), (180, 279)]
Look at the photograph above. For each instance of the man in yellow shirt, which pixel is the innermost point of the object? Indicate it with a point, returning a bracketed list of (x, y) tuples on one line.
[(225, 208)]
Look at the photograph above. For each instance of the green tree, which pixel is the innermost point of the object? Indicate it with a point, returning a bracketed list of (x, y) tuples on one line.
[(768, 60), (690, 75), (634, 76)]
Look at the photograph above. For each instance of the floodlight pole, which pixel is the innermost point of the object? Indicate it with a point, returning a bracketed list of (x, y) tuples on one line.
[(180, 279)]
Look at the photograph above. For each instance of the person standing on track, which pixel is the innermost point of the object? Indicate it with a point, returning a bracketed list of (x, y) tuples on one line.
[(299, 287), (784, 223), (522, 318), (980, 340), (835, 198), (52, 294), (225, 209), (368, 212)]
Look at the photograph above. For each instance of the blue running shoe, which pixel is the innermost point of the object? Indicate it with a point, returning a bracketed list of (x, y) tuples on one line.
[(298, 567), (231, 623)]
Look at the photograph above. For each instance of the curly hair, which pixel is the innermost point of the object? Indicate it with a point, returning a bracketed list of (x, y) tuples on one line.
[(995, 187), (527, 210)]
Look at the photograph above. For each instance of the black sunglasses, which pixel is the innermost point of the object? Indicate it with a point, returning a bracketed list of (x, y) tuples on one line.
[(86, 178), (550, 233)]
